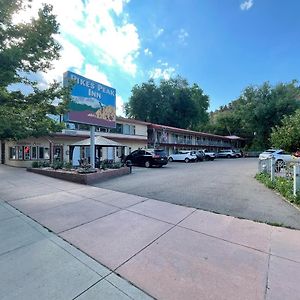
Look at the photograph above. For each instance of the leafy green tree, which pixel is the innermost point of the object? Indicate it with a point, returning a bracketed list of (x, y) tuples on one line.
[(255, 112), (25, 49), (173, 102), (287, 135)]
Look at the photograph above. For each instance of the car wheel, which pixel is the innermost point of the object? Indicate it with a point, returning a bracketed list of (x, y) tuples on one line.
[(212, 158), (186, 160), (147, 164), (170, 159), (228, 156), (279, 164), (207, 158)]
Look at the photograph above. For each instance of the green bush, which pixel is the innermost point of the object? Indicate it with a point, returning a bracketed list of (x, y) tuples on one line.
[(86, 170), (68, 166), (35, 164), (57, 165), (110, 164), (282, 185)]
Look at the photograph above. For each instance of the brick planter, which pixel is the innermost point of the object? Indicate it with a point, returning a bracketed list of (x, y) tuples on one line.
[(82, 178)]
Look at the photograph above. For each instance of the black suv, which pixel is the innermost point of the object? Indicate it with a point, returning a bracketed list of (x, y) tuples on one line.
[(147, 158)]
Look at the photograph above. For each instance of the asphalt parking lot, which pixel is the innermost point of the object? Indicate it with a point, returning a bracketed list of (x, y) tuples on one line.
[(225, 186)]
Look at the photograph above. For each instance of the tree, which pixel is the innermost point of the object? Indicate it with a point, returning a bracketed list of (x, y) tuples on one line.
[(255, 112), (287, 135), (25, 49), (173, 102)]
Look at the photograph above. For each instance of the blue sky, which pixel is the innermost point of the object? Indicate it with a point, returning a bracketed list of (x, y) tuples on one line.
[(222, 45)]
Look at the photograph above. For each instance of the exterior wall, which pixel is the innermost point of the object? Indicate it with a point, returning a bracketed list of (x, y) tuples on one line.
[(44, 142), (32, 142)]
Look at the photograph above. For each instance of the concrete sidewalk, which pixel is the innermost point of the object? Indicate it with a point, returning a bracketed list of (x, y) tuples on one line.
[(37, 264), (166, 250)]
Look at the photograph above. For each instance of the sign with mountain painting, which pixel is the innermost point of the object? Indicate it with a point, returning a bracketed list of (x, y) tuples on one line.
[(92, 103)]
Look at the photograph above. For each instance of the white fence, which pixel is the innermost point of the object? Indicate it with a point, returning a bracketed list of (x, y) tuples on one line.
[(283, 169)]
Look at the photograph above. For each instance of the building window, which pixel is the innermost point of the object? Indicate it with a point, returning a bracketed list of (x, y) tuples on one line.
[(126, 129), (12, 152), (33, 152), (41, 152), (26, 152), (46, 153), (20, 153), (132, 129)]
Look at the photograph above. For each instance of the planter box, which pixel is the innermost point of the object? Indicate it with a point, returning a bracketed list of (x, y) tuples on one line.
[(82, 178)]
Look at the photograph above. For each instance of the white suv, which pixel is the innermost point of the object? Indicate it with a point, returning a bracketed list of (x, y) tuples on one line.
[(280, 156), (186, 156), (229, 154)]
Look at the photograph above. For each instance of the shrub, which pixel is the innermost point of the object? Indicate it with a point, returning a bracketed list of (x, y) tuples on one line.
[(45, 164), (35, 164), (57, 165), (86, 170), (68, 166), (110, 164), (282, 185)]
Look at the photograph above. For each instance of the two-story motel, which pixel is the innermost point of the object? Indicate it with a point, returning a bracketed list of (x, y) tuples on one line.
[(70, 145)]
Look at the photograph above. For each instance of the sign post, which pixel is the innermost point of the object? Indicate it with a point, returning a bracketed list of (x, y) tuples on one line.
[(92, 147)]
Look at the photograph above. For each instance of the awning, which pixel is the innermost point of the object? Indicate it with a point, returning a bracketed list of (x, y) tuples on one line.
[(99, 141)]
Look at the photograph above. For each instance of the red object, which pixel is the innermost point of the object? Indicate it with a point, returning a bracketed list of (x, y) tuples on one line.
[(297, 153)]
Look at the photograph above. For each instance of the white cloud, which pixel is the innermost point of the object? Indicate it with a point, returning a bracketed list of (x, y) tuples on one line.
[(246, 5), (182, 36), (71, 56), (148, 52), (120, 106), (162, 73), (93, 73), (159, 32), (100, 26)]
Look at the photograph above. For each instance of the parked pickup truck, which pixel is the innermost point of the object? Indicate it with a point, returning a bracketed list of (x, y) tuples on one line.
[(209, 155)]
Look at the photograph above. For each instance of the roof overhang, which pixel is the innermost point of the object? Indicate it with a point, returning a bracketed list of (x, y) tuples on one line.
[(99, 141)]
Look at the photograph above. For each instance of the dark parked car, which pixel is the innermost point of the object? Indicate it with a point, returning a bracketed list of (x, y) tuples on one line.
[(200, 155), (147, 158)]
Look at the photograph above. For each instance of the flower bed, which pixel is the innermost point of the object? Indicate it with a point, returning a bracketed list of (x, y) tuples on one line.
[(74, 176)]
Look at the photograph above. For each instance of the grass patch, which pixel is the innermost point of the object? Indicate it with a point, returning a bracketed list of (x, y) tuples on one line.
[(284, 186)]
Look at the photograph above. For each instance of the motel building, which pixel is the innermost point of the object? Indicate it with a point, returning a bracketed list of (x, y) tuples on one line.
[(115, 137), (173, 139), (73, 143)]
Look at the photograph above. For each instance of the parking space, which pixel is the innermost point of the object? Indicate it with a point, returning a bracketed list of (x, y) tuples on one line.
[(225, 186)]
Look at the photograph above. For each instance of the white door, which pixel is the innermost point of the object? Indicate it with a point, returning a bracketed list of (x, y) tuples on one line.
[(110, 153), (76, 156)]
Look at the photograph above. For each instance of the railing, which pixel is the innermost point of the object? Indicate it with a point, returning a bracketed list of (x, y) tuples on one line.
[(196, 143), (280, 168)]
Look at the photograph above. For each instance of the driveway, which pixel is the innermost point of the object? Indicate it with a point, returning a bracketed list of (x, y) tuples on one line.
[(225, 186)]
